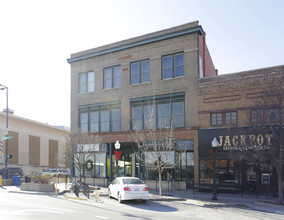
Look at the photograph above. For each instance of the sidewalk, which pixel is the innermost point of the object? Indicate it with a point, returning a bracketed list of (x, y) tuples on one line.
[(197, 198)]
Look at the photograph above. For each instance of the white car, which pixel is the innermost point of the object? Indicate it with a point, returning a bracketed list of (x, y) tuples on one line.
[(128, 188)]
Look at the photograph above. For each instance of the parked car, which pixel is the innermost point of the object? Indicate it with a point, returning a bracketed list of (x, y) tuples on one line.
[(128, 188), (11, 171)]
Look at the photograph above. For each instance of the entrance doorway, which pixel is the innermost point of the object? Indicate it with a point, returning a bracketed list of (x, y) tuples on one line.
[(122, 166)]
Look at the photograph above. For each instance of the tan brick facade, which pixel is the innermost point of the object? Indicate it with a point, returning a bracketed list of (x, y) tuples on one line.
[(182, 39)]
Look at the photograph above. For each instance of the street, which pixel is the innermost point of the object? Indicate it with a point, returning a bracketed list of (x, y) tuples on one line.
[(14, 206)]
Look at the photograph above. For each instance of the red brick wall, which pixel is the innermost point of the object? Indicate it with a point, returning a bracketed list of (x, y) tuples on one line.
[(207, 63)]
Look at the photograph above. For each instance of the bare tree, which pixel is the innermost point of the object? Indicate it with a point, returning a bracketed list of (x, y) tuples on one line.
[(79, 147), (157, 148), (271, 102)]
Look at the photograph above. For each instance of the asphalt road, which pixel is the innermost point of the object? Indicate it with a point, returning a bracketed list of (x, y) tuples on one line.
[(14, 206)]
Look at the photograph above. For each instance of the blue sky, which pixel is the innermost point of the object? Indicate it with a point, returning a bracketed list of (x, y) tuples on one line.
[(38, 36)]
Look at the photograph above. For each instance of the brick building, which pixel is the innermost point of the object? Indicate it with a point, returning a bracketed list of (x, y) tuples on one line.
[(243, 112), (110, 91)]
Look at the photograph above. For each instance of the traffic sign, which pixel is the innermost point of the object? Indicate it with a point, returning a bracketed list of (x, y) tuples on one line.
[(7, 137)]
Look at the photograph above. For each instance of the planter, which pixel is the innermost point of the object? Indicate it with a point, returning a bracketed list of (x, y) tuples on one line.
[(37, 187)]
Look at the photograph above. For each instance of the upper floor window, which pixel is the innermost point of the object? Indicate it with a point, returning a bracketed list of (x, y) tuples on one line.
[(158, 112), (140, 72), (86, 82), (270, 115), (101, 118), (273, 115), (257, 116), (112, 77), (173, 66), (224, 118)]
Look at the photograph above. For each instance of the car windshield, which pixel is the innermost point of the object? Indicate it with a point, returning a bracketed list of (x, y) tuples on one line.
[(132, 181)]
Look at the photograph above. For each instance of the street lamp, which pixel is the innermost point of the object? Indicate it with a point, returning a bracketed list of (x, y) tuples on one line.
[(118, 154), (215, 144), (117, 145), (6, 130)]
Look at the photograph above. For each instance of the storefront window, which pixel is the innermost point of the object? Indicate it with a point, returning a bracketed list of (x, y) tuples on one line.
[(227, 172), (100, 165)]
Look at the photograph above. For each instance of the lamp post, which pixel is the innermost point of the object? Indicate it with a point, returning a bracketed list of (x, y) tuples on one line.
[(215, 144), (6, 131), (117, 147)]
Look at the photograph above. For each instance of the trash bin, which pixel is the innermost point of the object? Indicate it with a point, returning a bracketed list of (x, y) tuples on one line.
[(16, 180), (27, 179)]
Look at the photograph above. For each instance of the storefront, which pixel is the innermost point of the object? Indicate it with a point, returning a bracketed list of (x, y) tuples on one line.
[(243, 158), (124, 161)]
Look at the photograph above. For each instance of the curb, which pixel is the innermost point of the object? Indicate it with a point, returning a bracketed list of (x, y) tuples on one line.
[(76, 198)]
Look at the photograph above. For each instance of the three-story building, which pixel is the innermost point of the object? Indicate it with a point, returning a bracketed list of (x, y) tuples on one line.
[(115, 87)]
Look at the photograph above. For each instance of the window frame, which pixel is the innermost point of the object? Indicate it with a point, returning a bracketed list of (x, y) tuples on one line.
[(266, 118), (140, 72), (173, 66), (100, 109), (112, 77), (153, 103), (221, 119), (87, 83)]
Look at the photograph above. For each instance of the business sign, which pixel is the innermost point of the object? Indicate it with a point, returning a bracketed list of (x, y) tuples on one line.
[(265, 178), (238, 139)]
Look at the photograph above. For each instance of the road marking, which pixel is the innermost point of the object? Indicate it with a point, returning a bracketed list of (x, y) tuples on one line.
[(101, 217)]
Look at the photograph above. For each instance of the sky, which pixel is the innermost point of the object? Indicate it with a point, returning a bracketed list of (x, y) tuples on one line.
[(37, 36)]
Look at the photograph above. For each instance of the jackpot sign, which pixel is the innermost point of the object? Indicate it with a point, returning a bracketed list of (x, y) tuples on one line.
[(245, 142)]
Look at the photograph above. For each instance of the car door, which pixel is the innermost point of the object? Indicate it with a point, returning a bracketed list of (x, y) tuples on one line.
[(115, 186)]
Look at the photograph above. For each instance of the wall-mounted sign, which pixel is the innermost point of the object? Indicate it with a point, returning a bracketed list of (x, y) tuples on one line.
[(265, 178), (255, 138)]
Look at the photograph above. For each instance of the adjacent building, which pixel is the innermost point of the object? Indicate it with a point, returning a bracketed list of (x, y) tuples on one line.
[(244, 111), (34, 146)]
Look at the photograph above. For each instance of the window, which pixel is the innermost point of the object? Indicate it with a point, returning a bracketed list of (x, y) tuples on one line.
[(112, 77), (100, 118), (86, 82), (164, 112), (84, 122), (273, 115), (178, 114), (224, 118), (257, 116), (94, 122), (137, 118), (105, 121), (140, 72), (115, 120), (149, 117), (158, 112), (231, 118), (216, 119), (270, 115), (173, 66)]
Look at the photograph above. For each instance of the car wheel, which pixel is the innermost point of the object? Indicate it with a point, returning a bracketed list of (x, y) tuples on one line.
[(109, 194), (143, 201), (119, 198)]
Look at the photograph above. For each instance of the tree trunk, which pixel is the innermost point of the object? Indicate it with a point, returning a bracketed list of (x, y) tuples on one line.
[(160, 183)]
